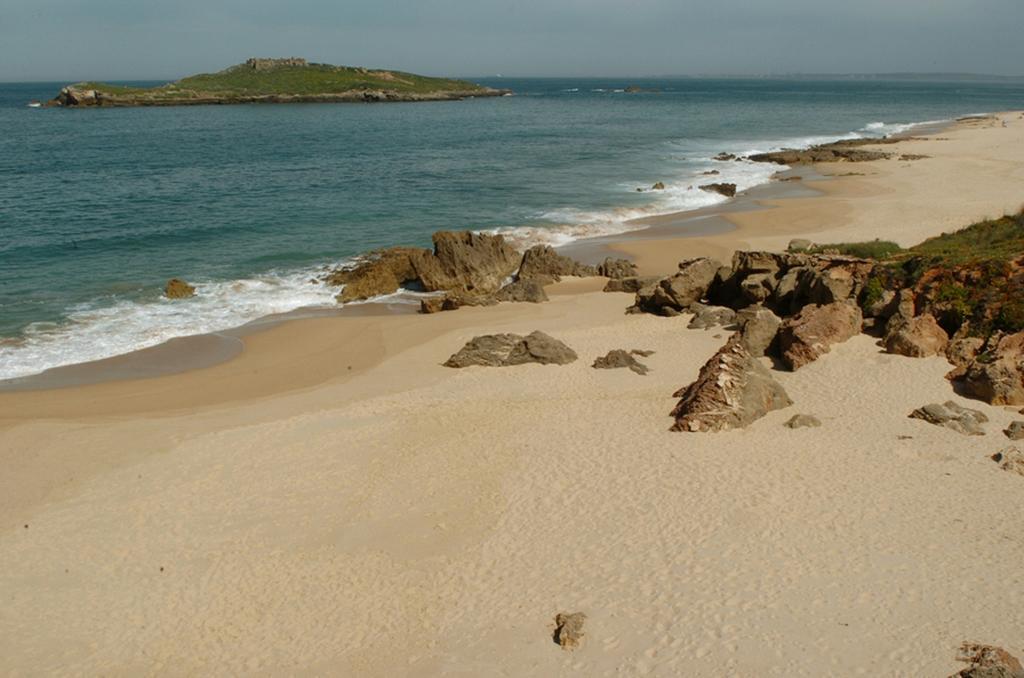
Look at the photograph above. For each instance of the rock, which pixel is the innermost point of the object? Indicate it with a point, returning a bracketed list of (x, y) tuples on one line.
[(997, 375), (1010, 459), (799, 245), (177, 288), (678, 292), (501, 350), (631, 284), (962, 350), (882, 307), (722, 157), (988, 661), (616, 269), (918, 337), (466, 261), (952, 416), (619, 358), (433, 305), (726, 189), (732, 390), (811, 333), (839, 151), (802, 421), (523, 290), (710, 173), (1015, 431), (758, 328), (379, 272), (569, 629), (706, 317), (544, 263), (660, 186)]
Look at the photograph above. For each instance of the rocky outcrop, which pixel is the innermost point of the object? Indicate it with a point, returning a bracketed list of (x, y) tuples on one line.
[(997, 375), (1015, 431), (616, 269), (812, 332), (632, 284), (802, 421), (465, 261), (918, 337), (659, 186), (177, 288), (732, 390), (619, 358), (523, 290), (758, 329), (952, 416), (726, 189), (706, 317), (569, 629), (542, 262), (378, 273), (840, 151), (438, 304), (674, 294), (1010, 459), (987, 661), (501, 350)]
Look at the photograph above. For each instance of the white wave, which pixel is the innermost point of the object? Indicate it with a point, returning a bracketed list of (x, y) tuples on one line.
[(94, 333)]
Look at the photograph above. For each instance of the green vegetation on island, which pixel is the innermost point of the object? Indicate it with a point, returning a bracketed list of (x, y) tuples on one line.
[(289, 80)]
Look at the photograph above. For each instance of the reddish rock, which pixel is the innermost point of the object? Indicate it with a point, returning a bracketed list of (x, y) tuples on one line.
[(812, 332)]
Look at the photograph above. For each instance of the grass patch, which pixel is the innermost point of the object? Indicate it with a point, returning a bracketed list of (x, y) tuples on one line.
[(993, 240), (872, 249)]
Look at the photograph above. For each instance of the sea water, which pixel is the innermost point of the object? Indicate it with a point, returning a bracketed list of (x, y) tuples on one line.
[(99, 207)]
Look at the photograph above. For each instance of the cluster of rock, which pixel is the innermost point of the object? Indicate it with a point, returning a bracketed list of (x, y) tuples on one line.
[(260, 64), (726, 189), (465, 269), (952, 416), (847, 150)]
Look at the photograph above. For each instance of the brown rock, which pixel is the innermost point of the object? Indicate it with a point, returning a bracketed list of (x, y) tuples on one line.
[(380, 272), (544, 263), (619, 358), (1015, 431), (1010, 459), (438, 304), (177, 288), (802, 421), (758, 329), (466, 261), (962, 350), (523, 290), (631, 284), (732, 390), (501, 350), (707, 317), (997, 375), (811, 333), (918, 337), (660, 186), (726, 189), (677, 292), (569, 629), (988, 661), (616, 269)]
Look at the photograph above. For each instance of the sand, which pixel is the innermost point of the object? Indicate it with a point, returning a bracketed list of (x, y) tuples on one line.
[(280, 513)]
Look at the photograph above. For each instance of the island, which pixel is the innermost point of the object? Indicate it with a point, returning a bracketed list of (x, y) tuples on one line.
[(277, 81)]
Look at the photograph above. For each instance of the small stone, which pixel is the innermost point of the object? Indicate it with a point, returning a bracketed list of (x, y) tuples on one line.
[(1010, 459), (1015, 431), (952, 416), (803, 421), (620, 358), (569, 629)]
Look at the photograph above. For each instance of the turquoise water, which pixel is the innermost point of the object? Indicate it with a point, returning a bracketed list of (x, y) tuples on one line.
[(99, 207)]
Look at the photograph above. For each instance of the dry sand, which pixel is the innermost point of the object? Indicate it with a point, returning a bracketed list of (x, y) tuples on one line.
[(282, 514)]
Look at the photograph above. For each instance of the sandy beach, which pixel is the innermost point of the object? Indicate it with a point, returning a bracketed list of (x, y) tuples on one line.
[(334, 501)]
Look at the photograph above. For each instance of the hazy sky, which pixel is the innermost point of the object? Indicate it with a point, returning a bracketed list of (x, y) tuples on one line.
[(125, 39)]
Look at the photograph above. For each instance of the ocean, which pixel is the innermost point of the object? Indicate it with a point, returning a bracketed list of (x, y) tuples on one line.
[(98, 208)]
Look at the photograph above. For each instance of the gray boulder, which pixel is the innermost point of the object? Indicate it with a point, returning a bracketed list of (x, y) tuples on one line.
[(501, 350), (706, 317), (732, 390), (758, 327), (952, 416)]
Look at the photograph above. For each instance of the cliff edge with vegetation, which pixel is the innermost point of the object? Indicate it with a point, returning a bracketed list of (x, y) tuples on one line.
[(291, 80)]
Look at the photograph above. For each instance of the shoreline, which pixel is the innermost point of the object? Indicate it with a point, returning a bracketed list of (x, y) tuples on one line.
[(704, 222), (281, 512)]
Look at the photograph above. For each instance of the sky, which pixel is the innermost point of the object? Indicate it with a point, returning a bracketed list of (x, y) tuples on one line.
[(70, 40)]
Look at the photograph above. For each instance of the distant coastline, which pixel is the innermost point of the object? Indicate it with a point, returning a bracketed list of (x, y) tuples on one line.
[(276, 81)]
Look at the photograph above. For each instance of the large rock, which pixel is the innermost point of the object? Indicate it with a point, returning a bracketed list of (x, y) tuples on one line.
[(952, 416), (811, 333), (918, 337), (679, 291), (632, 284), (616, 269), (732, 390), (987, 661), (501, 350), (962, 350), (544, 263), (177, 288), (997, 375), (758, 328), (722, 188), (466, 261), (524, 289), (380, 272), (706, 317)]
